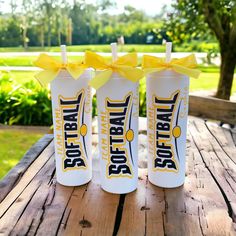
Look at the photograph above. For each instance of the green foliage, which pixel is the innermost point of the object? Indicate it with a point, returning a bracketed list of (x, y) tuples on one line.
[(196, 19), (10, 32), (29, 104), (49, 23), (200, 20), (142, 98), (25, 104)]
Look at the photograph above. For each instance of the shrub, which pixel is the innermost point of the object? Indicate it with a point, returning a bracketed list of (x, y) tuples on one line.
[(30, 104), (24, 104)]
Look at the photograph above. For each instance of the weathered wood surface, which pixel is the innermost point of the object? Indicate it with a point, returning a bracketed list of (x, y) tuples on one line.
[(33, 204), (212, 108)]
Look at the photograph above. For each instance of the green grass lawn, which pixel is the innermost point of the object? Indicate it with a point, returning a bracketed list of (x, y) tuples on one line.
[(13, 145), (187, 47), (28, 60), (206, 81), (97, 48)]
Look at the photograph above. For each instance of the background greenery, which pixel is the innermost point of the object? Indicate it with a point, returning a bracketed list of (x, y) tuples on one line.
[(25, 102), (22, 140), (40, 26)]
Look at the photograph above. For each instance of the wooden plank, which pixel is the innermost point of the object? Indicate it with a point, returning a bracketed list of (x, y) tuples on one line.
[(31, 217), (217, 162), (133, 215), (198, 207), (92, 211), (143, 209), (233, 133), (15, 174), (212, 108), (54, 210), (224, 139), (187, 210), (80, 210), (205, 205), (15, 211), (27, 177)]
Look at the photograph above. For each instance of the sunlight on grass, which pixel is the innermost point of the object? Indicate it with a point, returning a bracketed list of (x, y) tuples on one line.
[(23, 76), (206, 81), (13, 145), (28, 60)]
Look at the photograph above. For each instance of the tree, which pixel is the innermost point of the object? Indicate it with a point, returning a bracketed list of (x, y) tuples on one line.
[(194, 19), (27, 8)]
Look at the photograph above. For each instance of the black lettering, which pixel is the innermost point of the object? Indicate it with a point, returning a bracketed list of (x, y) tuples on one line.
[(72, 117), (71, 145), (70, 163), (71, 110), (167, 101), (119, 104), (117, 121), (70, 126), (73, 153), (162, 145), (71, 102), (164, 153), (118, 159), (165, 109), (159, 135), (116, 151), (169, 163), (115, 140), (116, 131), (67, 135), (120, 169), (163, 126), (164, 117)]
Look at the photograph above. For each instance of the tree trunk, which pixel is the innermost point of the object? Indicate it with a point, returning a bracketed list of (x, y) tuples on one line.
[(59, 37), (49, 37), (228, 62), (24, 29), (49, 32), (25, 42), (42, 36)]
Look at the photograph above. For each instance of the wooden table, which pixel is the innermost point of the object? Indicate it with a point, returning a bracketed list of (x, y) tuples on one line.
[(32, 203)]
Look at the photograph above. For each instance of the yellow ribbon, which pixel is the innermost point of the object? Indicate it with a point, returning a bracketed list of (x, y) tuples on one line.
[(124, 66), (183, 65), (52, 68)]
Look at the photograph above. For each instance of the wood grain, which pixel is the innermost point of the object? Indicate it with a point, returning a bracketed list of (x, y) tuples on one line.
[(11, 179), (34, 204), (212, 108)]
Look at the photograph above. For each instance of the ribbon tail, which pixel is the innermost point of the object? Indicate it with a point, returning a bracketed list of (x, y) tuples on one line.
[(130, 73), (187, 71), (75, 72), (153, 70), (100, 79), (46, 76)]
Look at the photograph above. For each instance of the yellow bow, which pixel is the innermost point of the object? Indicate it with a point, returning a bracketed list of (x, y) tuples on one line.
[(124, 66), (183, 65), (52, 68)]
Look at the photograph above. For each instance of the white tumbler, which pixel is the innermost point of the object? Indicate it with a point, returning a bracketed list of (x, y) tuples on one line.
[(167, 112), (118, 112), (72, 120)]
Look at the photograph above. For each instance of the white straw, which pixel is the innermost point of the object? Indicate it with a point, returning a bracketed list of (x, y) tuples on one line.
[(168, 51), (114, 51), (63, 54)]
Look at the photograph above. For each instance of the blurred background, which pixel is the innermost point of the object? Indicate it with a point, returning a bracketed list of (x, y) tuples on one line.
[(28, 27)]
